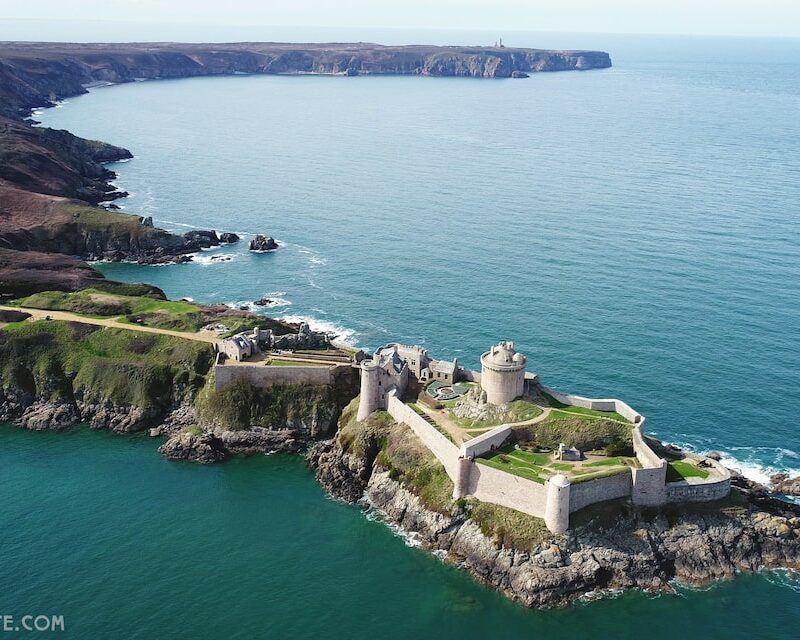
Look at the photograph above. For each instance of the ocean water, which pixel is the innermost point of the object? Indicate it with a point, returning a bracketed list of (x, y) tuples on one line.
[(633, 230)]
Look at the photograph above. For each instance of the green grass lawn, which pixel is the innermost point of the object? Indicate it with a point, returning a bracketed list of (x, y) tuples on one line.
[(541, 466), (572, 409), (680, 470), (276, 362), (137, 309)]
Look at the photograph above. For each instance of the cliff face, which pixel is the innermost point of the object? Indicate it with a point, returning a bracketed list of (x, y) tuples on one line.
[(611, 546), (35, 74)]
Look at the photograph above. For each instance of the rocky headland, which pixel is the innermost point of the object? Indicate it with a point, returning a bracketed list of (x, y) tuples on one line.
[(34, 74), (610, 546)]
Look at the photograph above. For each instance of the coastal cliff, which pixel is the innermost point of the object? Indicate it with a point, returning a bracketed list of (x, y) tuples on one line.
[(36, 74), (611, 545)]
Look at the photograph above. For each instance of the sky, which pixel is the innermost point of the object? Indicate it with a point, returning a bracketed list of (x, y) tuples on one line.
[(179, 19)]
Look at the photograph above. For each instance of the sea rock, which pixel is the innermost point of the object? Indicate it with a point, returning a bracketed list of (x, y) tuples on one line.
[(782, 483), (164, 259), (519, 74), (714, 455), (228, 238), (194, 446), (263, 302), (52, 416), (147, 221), (263, 243), (202, 238)]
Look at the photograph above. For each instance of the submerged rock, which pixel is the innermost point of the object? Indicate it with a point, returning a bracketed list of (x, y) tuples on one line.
[(263, 243)]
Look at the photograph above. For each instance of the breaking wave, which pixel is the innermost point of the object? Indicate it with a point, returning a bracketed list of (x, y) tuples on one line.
[(341, 335)]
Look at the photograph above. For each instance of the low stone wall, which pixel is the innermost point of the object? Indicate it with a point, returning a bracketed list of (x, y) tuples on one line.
[(582, 494), (265, 377), (603, 404), (445, 451), (498, 487), (485, 442), (699, 489)]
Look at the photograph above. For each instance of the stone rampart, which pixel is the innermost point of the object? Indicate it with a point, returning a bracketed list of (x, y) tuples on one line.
[(684, 491), (492, 485), (582, 494), (265, 377), (486, 441), (445, 451)]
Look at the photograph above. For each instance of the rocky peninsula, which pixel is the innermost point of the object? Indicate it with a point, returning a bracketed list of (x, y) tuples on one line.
[(57, 374)]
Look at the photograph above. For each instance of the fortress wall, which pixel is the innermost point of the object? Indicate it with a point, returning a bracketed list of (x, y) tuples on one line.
[(644, 454), (266, 377), (485, 442), (604, 404), (701, 492), (582, 494), (445, 451), (492, 485), (649, 486)]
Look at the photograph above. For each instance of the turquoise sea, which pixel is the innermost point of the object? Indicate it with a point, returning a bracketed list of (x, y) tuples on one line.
[(634, 231)]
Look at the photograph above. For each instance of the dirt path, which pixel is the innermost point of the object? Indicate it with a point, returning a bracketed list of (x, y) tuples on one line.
[(68, 316)]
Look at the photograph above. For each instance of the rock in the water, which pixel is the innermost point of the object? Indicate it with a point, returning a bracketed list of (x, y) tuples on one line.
[(202, 238), (519, 74), (263, 243), (202, 447), (782, 483), (263, 302), (228, 238), (714, 455)]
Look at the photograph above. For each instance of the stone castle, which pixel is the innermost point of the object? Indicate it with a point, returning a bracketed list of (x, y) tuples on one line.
[(386, 376)]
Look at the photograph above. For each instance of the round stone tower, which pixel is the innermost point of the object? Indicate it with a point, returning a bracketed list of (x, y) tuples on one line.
[(556, 512), (503, 373), (371, 397)]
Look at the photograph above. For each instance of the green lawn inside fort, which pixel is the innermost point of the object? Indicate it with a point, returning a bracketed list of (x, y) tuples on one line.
[(277, 362), (539, 466), (681, 470)]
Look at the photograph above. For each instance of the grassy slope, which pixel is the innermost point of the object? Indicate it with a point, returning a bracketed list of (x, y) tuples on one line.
[(127, 301), (127, 368), (240, 405)]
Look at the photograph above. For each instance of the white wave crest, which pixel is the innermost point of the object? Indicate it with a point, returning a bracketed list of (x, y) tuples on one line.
[(342, 335), (217, 258)]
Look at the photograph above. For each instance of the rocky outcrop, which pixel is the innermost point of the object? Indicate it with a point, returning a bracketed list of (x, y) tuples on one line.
[(193, 446), (228, 238), (783, 483), (619, 549), (263, 243)]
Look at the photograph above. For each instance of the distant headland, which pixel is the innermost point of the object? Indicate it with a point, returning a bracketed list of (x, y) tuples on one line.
[(34, 74)]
